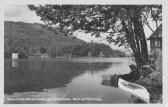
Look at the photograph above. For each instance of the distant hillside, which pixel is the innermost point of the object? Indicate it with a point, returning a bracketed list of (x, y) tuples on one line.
[(97, 50), (33, 39), (28, 37)]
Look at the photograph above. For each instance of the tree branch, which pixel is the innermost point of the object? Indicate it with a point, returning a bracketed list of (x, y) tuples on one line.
[(148, 23), (156, 24)]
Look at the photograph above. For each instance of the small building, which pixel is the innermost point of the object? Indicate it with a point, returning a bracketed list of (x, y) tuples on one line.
[(14, 55), (101, 54), (89, 54), (156, 40), (44, 56), (70, 55)]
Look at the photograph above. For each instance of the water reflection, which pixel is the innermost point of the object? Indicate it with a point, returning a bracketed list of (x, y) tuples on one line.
[(14, 63), (38, 75), (134, 99), (65, 79)]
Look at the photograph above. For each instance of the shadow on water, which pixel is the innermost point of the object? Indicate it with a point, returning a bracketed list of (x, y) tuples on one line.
[(37, 75)]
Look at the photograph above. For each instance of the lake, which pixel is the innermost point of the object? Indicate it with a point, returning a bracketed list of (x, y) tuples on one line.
[(76, 80)]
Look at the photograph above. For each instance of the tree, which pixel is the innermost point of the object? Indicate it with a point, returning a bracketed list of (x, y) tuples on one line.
[(122, 23), (43, 50)]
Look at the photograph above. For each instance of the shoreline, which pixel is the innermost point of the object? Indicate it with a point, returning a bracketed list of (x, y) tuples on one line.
[(64, 58)]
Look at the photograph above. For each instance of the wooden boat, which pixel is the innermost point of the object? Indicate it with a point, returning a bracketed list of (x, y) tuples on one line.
[(134, 89)]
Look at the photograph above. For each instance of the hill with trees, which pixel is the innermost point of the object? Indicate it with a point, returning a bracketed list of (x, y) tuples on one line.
[(35, 39)]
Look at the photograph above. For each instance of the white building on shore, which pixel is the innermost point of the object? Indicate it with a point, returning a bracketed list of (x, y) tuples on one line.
[(14, 55)]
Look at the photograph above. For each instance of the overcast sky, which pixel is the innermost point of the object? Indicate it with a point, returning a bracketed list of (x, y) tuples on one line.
[(20, 13), (23, 14)]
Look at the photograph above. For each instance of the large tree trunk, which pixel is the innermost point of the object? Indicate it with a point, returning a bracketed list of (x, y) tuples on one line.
[(139, 33), (136, 39), (132, 42)]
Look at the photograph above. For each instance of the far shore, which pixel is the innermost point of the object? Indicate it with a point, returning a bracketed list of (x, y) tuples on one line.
[(86, 57)]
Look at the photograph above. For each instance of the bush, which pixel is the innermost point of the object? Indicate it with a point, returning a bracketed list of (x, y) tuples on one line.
[(135, 72), (144, 81), (152, 74), (43, 50), (22, 55), (145, 70), (156, 78)]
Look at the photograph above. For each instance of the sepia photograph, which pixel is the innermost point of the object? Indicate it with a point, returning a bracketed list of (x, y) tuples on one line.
[(83, 54)]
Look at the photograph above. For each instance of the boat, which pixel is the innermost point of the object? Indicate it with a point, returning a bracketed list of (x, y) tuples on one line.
[(134, 89)]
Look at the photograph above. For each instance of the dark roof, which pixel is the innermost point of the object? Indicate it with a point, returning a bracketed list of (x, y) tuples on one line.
[(157, 33)]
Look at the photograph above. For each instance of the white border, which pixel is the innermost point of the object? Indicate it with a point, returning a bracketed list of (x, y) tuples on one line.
[(165, 39), (83, 1), (2, 52), (165, 51)]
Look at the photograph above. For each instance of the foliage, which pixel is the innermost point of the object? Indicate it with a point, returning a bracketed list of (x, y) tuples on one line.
[(146, 70), (156, 76), (82, 50), (27, 39), (152, 75), (43, 50), (144, 81), (149, 75), (21, 38), (95, 49), (152, 81), (122, 23)]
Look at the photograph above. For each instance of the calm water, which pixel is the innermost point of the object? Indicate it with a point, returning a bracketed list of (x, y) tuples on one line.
[(75, 80)]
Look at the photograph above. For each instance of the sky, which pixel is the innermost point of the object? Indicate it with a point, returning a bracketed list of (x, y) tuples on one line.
[(20, 13), (23, 14)]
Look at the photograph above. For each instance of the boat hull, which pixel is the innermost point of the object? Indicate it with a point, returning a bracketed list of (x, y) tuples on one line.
[(134, 89)]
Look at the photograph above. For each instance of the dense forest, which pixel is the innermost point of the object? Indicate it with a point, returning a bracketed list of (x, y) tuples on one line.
[(34, 39)]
